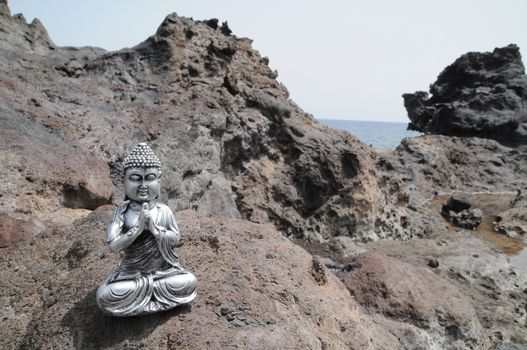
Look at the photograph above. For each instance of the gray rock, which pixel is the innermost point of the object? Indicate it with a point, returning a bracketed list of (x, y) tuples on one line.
[(494, 283), (433, 164), (513, 222), (457, 210), (466, 218), (232, 142)]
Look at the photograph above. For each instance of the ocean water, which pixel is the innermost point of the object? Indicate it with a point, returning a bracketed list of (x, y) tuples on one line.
[(380, 135)]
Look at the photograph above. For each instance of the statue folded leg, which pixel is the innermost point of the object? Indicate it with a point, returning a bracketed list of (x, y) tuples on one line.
[(125, 297), (175, 289), (146, 294)]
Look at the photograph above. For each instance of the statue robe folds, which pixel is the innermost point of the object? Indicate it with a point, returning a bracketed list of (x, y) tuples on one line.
[(150, 277)]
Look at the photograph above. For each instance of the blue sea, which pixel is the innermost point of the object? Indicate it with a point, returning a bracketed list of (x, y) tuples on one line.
[(380, 135)]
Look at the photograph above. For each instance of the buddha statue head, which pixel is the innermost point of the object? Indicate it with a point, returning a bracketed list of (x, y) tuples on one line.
[(142, 174)]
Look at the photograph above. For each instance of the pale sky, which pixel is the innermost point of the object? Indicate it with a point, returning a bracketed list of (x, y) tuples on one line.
[(340, 59)]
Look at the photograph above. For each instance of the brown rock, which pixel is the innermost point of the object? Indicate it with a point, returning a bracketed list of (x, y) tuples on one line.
[(433, 263), (4, 9), (415, 296), (232, 145), (256, 291), (513, 222), (63, 216), (42, 177), (16, 227), (318, 271)]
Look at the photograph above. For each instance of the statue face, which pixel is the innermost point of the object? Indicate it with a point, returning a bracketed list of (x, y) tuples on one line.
[(142, 184)]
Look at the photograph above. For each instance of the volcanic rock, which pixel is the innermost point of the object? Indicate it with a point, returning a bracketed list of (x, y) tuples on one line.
[(17, 227), (480, 94), (433, 164), (494, 283), (513, 222), (230, 140), (413, 297), (257, 290), (468, 218), (456, 204), (457, 211), (233, 146)]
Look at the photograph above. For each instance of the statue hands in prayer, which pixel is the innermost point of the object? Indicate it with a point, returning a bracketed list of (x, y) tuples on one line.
[(150, 277)]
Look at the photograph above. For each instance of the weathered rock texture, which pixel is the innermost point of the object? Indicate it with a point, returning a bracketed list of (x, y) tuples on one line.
[(233, 147), (493, 283), (513, 221), (480, 94), (435, 163), (230, 140), (458, 211), (257, 290), (423, 309)]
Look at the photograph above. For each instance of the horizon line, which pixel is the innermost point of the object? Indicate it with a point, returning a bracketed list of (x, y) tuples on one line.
[(362, 120)]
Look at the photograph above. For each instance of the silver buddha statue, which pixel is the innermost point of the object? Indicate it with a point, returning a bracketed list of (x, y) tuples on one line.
[(150, 277)]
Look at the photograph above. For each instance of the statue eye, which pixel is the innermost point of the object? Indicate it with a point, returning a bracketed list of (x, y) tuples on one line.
[(135, 178), (151, 177)]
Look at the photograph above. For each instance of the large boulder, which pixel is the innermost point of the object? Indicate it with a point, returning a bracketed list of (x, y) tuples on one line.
[(414, 299), (257, 290), (480, 94), (494, 283)]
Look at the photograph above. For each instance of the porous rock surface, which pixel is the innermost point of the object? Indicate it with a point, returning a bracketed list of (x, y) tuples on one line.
[(494, 284), (458, 211), (233, 147), (480, 94), (513, 222), (231, 141), (433, 164), (257, 290), (422, 308)]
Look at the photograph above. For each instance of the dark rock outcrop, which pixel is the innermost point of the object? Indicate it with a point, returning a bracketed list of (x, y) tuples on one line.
[(480, 94), (458, 211), (468, 218), (456, 204)]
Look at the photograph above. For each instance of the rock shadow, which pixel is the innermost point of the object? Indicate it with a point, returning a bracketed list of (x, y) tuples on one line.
[(91, 329)]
